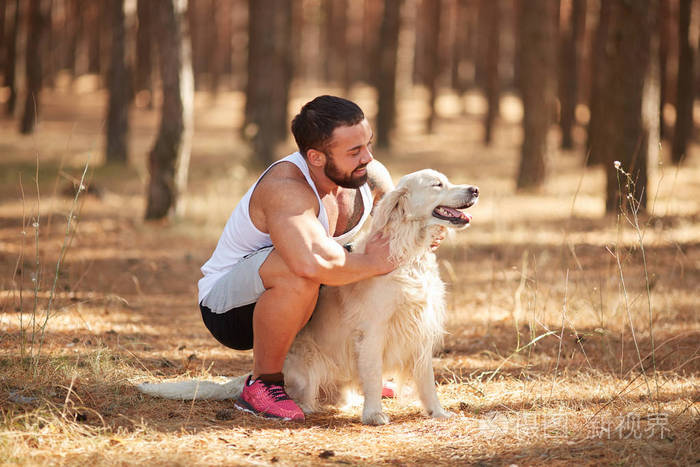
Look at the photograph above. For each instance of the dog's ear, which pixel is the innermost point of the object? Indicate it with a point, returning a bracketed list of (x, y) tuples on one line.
[(393, 205)]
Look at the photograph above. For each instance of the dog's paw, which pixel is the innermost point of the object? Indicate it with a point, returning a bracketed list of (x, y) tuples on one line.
[(442, 413), (375, 418), (307, 408)]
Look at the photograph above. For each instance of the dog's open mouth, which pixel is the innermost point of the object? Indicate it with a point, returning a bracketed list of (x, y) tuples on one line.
[(452, 215)]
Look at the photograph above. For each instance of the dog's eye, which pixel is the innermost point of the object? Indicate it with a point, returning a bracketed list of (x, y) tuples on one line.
[(437, 184)]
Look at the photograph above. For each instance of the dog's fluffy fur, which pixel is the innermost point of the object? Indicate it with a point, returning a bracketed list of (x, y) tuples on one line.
[(388, 324)]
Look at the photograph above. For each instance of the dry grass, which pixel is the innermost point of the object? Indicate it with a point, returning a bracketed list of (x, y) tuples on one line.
[(540, 364)]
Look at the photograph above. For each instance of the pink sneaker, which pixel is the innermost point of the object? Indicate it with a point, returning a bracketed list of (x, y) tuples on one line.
[(268, 400), (388, 390)]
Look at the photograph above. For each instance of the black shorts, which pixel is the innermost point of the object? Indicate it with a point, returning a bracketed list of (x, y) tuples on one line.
[(234, 328)]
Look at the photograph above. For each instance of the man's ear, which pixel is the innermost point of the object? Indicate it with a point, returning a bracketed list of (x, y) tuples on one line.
[(316, 158)]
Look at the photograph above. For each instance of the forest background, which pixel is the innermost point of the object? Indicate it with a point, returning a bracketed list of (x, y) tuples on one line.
[(131, 128)]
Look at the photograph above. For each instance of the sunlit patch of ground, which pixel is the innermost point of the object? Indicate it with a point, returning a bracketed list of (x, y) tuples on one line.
[(553, 306)]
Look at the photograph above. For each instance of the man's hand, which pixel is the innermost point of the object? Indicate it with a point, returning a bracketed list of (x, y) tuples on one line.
[(378, 250), (439, 233)]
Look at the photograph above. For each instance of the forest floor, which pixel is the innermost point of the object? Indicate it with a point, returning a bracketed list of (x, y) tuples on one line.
[(573, 337)]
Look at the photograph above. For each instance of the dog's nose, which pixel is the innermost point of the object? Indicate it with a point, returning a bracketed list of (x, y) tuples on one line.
[(474, 191)]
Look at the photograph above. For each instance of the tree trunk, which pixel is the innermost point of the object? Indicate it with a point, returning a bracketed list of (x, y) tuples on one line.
[(269, 76), (482, 42), (144, 49), (386, 65), (170, 157), (431, 54), (195, 33), (664, 25), (333, 45), (595, 145), (118, 85), (36, 36), (93, 19), (625, 132), (569, 65), (370, 37), (460, 46), (11, 59), (491, 35), (3, 54), (52, 50), (222, 53), (685, 94), (75, 29), (537, 72), (239, 58)]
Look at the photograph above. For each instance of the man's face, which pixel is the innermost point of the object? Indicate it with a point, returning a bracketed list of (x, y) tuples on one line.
[(348, 154)]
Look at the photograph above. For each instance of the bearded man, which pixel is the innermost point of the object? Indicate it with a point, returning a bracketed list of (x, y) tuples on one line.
[(288, 235)]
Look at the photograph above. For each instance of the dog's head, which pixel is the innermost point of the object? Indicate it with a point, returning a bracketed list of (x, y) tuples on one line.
[(420, 200), (428, 196)]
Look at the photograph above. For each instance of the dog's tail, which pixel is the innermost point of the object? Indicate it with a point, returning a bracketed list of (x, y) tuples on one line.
[(195, 389)]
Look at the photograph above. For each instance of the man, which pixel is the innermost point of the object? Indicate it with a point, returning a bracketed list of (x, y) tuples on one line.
[(285, 238)]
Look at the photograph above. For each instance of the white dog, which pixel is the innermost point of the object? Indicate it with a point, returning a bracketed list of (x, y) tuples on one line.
[(388, 324)]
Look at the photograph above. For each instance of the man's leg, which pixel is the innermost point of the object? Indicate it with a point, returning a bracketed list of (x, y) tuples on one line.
[(280, 313)]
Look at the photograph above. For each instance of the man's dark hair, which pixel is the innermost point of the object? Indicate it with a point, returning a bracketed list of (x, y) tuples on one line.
[(314, 124)]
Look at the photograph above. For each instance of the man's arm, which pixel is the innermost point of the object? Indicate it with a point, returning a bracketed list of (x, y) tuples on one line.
[(289, 207)]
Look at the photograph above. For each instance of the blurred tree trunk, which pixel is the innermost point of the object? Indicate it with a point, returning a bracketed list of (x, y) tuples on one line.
[(36, 35), (11, 59), (460, 45), (170, 157), (239, 59), (664, 25), (485, 9), (370, 36), (420, 58), (626, 133), (386, 66), (74, 30), (431, 55), (52, 49), (334, 44), (685, 94), (3, 41), (143, 81), (269, 76), (93, 19), (201, 18), (490, 34), (299, 19), (595, 144), (222, 53), (537, 76), (210, 45), (118, 85), (569, 66)]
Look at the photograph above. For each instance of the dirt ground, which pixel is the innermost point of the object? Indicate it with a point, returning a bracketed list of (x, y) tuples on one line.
[(573, 337)]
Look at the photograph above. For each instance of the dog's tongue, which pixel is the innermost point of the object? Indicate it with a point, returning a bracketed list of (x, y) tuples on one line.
[(456, 213)]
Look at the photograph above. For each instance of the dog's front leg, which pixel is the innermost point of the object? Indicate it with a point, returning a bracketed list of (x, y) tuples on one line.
[(369, 348), (425, 384)]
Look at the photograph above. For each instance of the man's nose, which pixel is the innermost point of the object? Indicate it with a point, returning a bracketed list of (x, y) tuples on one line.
[(367, 157)]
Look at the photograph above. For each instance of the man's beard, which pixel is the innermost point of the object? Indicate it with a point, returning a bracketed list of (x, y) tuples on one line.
[(340, 179)]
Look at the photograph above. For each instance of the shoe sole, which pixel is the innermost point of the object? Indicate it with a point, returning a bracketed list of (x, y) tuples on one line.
[(243, 406)]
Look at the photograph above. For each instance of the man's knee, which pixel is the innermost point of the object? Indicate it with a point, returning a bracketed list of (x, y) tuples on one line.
[(275, 273)]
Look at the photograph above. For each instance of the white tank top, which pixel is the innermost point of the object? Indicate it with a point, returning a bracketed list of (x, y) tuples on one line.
[(241, 237)]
